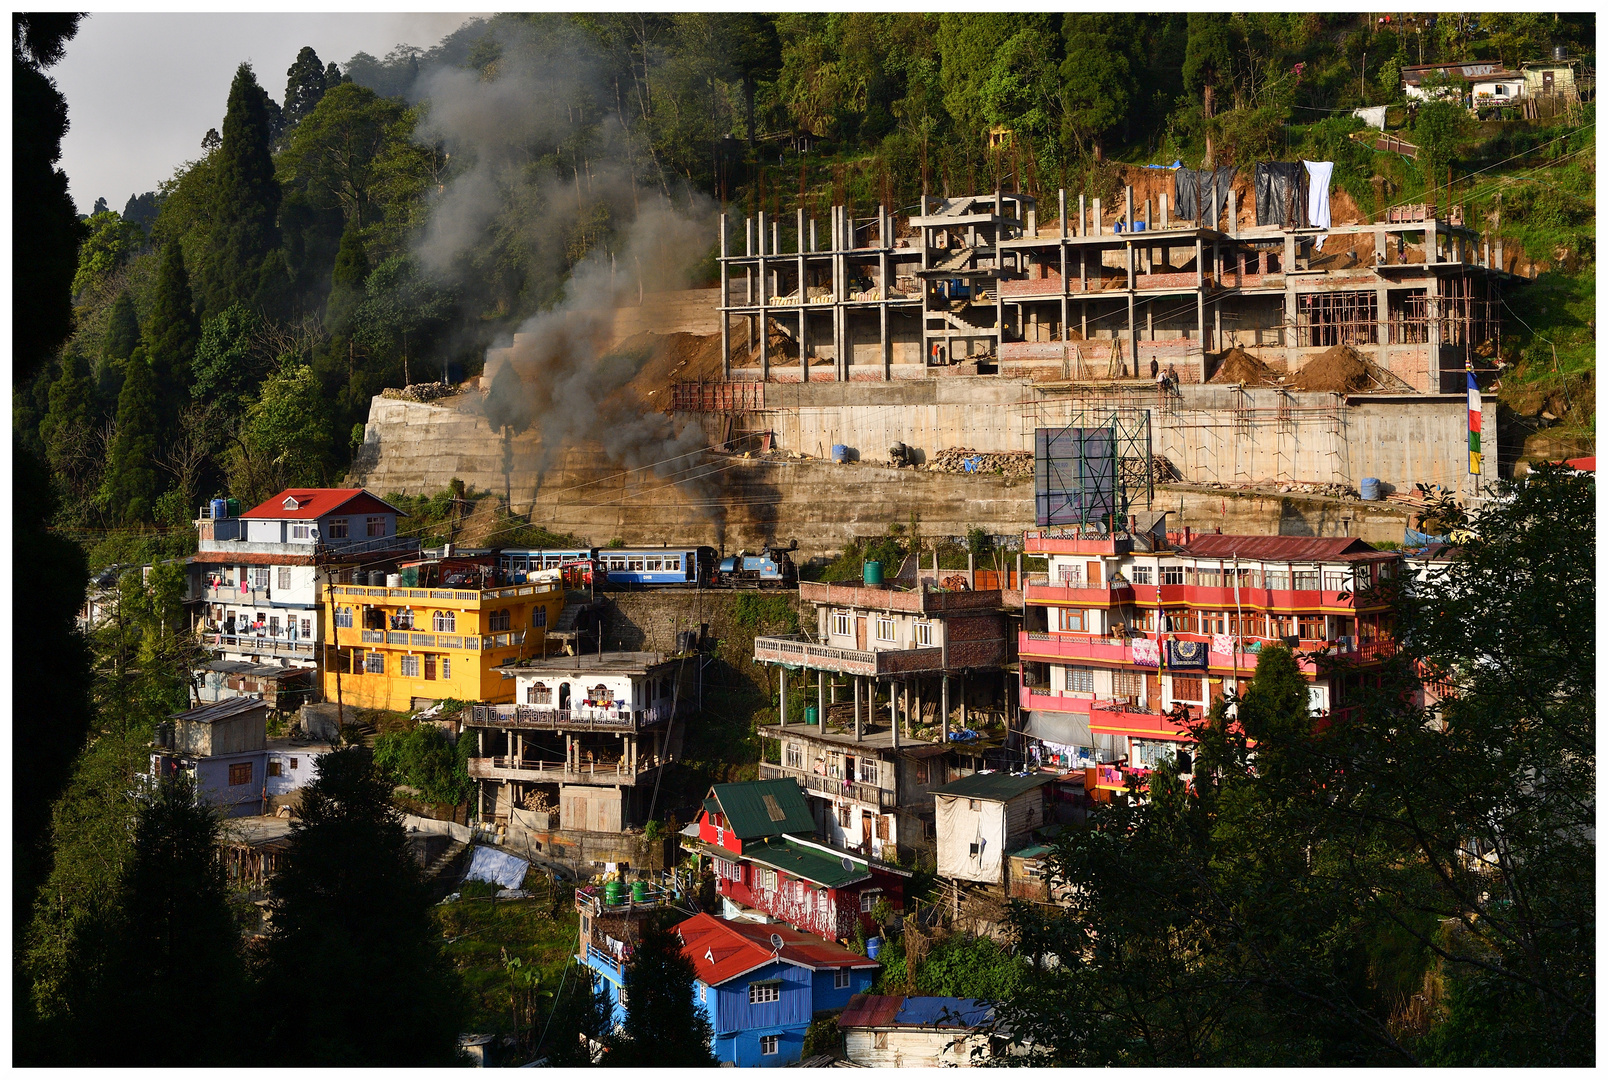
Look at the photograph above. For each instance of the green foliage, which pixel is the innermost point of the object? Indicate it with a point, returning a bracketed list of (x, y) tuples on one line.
[(822, 1037), (244, 204), (170, 333), (352, 929), (765, 614), (288, 432), (663, 1027), (131, 485), (108, 247), (229, 364), (963, 966), (1441, 130), (422, 757), (304, 86), (889, 549)]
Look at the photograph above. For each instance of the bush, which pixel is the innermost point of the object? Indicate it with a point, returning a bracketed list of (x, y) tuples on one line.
[(422, 758)]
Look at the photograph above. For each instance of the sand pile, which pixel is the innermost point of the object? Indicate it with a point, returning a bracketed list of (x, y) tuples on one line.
[(1338, 370), (1239, 366)]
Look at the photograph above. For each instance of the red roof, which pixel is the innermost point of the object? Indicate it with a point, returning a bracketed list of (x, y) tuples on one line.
[(871, 1010), (306, 504), (1275, 548), (722, 950), (1583, 464)]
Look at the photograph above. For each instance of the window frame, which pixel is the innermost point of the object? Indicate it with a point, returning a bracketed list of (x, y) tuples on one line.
[(888, 624), (842, 978), (924, 634), (240, 773), (444, 622), (770, 1045), (842, 625), (338, 528), (376, 526), (765, 992)]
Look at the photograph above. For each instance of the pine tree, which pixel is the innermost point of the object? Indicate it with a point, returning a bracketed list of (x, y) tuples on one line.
[(304, 87), (346, 287), (663, 1027), (352, 934), (129, 492), (121, 339), (66, 427), (170, 334), (246, 204)]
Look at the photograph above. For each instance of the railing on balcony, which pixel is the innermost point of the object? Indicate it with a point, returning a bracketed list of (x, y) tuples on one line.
[(438, 595), (540, 716), (606, 959), (797, 652), (1112, 778), (261, 644), (594, 900), (1076, 590), (234, 594), (509, 768), (831, 786)]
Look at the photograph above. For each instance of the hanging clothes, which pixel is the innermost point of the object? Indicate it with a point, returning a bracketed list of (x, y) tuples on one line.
[(1145, 653), (1319, 173), (1281, 194)]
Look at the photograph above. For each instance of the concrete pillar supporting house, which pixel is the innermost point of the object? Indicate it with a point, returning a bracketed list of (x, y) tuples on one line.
[(1233, 214), (893, 710), (803, 305), (519, 749), (857, 681), (831, 692), (1098, 224), (569, 750), (781, 705), (1083, 220), (725, 298), (764, 298), (916, 722), (1163, 203), (480, 742), (748, 291), (943, 709), (820, 699), (964, 722)]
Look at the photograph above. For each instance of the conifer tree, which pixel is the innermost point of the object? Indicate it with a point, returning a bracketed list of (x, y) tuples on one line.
[(121, 339), (246, 198), (346, 287), (129, 492), (66, 426), (170, 334), (663, 1027), (304, 87)]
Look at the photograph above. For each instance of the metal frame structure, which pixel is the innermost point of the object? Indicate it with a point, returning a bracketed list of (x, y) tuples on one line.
[(1114, 473)]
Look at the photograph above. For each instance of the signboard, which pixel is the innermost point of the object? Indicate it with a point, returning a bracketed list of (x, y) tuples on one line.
[(1075, 475)]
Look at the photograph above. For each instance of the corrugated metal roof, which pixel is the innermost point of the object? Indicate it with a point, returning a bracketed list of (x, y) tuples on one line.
[(310, 503), (996, 786), (870, 1010), (721, 950), (807, 863), (886, 1011), (1295, 548), (764, 808), (220, 710)]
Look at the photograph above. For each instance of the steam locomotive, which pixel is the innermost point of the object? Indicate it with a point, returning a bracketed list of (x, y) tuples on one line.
[(661, 567)]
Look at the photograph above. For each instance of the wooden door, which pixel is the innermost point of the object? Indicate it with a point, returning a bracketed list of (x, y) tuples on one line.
[(865, 832), (1092, 570), (1546, 82), (859, 634), (1153, 692)]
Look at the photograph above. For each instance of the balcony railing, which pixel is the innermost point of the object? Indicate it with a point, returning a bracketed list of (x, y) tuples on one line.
[(549, 772), (583, 719), (796, 652), (234, 594), (870, 794), (438, 597), (1112, 778), (593, 900), (1108, 718), (261, 644), (1076, 591)]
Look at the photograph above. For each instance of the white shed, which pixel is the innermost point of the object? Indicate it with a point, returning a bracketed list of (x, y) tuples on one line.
[(981, 817)]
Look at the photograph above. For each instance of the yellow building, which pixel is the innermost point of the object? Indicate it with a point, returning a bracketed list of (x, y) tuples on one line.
[(389, 645)]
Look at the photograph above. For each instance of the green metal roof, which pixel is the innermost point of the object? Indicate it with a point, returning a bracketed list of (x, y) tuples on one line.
[(764, 808), (996, 786), (811, 864)]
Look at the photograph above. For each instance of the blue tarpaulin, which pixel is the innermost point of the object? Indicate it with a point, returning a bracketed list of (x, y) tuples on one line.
[(489, 864), (944, 1012)]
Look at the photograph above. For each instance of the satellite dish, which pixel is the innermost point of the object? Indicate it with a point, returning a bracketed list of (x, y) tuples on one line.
[(776, 941), (848, 863)]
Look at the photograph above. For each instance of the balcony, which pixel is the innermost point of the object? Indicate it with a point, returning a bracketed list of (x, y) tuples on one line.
[(919, 601), (461, 599), (1034, 645), (1111, 778), (540, 718), (832, 788), (1073, 541), (550, 772), (260, 645), (1077, 592), (796, 652), (1108, 718), (234, 594), (593, 900)]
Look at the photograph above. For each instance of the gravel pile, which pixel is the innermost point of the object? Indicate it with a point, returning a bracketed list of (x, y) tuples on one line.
[(1016, 463), (430, 391)]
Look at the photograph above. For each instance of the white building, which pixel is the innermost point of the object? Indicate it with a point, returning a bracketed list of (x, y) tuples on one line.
[(260, 575)]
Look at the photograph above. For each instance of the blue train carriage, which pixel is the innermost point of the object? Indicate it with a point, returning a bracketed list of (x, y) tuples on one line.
[(772, 568), (656, 567), (516, 564)]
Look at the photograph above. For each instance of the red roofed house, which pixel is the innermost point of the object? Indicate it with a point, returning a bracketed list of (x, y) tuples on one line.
[(1130, 632), (260, 574), (761, 985)]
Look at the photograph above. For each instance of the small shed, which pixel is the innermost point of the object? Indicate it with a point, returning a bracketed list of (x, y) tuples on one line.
[(235, 725), (1546, 77), (897, 1032), (981, 817)]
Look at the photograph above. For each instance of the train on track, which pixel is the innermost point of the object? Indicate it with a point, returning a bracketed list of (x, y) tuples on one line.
[(656, 568)]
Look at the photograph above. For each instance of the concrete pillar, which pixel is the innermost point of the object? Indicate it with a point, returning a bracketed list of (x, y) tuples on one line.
[(781, 707), (857, 681), (831, 690), (725, 299), (1127, 209), (1165, 221), (1083, 221), (1200, 293), (820, 698), (764, 298), (915, 722), (943, 709), (1099, 224), (519, 749), (480, 743), (964, 722), (1233, 214), (893, 710)]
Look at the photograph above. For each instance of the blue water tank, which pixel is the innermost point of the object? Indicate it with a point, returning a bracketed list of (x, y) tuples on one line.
[(220, 509), (1139, 226), (1369, 489), (840, 453), (873, 946)]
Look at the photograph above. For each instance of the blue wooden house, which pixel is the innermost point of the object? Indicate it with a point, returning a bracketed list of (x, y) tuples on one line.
[(761, 984)]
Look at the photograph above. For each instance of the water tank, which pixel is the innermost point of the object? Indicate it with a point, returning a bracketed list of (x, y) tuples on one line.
[(1560, 53), (840, 453), (812, 714), (233, 506), (1369, 489), (220, 509), (873, 573), (686, 641), (639, 892), (410, 577), (873, 946), (393, 581), (612, 893)]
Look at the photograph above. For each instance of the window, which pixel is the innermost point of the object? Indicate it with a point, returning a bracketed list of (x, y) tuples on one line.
[(1128, 684), (869, 770), (1276, 579), (1172, 575), (1336, 582), (299, 532), (923, 772), (446, 667), (884, 629), (1072, 619), (923, 634), (840, 624), (703, 992), (1189, 688), (444, 622), (376, 526), (1181, 622), (866, 899), (882, 825), (843, 815), (1080, 680), (374, 663), (768, 882), (499, 620), (538, 694), (337, 529), (879, 1040), (284, 578), (1140, 575), (295, 763), (770, 1044), (840, 979), (273, 626), (1306, 579), (761, 992), (259, 577), (240, 774), (307, 628), (795, 756), (273, 768), (539, 617), (973, 804), (1214, 622), (1312, 627)]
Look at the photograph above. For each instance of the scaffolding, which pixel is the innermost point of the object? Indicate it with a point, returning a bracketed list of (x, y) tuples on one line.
[(1094, 468)]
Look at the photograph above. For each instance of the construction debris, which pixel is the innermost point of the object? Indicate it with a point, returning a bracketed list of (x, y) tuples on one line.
[(421, 392), (1338, 370), (1239, 366), (1334, 491), (1013, 464)]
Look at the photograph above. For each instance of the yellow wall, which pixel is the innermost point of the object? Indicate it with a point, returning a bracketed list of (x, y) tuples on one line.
[(473, 676)]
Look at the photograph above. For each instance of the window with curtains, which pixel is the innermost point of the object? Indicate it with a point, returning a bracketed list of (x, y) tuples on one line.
[(1127, 684), (1074, 620), (1172, 575), (1140, 575), (410, 667)]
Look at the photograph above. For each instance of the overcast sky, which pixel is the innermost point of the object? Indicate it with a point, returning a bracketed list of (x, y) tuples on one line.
[(143, 89)]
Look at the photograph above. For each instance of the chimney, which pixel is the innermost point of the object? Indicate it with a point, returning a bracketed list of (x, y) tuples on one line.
[(1187, 534)]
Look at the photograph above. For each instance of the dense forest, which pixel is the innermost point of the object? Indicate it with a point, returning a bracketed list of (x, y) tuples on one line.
[(383, 221)]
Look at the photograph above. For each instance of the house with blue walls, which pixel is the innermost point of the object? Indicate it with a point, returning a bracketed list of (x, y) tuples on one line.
[(611, 914), (761, 984)]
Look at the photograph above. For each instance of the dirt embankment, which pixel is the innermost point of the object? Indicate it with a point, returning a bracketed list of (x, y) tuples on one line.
[(671, 358)]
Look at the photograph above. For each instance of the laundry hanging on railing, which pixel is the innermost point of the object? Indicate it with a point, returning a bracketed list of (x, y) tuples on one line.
[(1281, 194), (1201, 194)]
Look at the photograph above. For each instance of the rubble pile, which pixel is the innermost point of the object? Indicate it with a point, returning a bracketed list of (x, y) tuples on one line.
[(1015, 463), (421, 392), (1334, 491)]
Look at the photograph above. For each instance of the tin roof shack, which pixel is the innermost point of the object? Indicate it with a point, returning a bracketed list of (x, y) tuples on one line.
[(1027, 876), (761, 985), (282, 689), (982, 817), (759, 837), (586, 737), (224, 746), (611, 915), (918, 1032)]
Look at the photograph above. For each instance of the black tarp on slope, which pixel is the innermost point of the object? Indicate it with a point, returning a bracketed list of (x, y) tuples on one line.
[(1189, 186), (1281, 194)]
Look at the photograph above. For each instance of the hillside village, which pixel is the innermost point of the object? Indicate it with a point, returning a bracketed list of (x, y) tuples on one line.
[(906, 638)]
